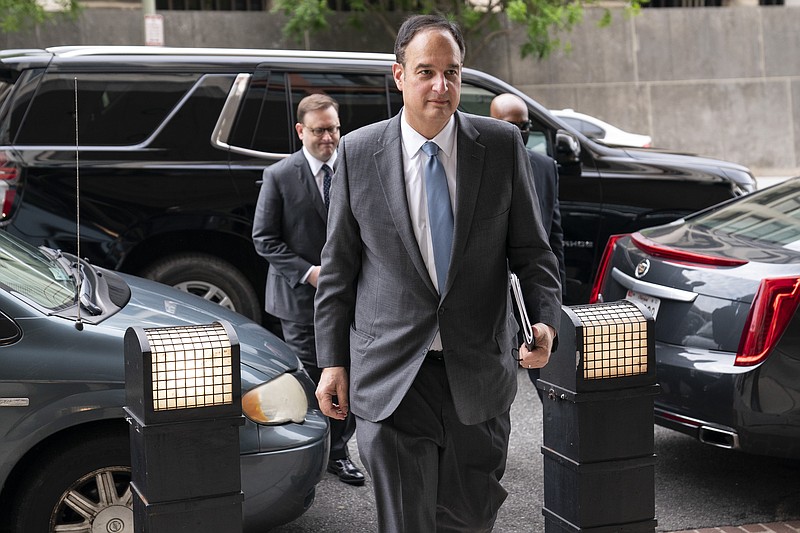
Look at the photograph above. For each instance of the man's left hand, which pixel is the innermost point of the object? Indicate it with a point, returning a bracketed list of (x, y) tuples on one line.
[(539, 354)]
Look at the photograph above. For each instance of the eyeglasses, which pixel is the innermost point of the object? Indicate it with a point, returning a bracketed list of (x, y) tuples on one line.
[(319, 132)]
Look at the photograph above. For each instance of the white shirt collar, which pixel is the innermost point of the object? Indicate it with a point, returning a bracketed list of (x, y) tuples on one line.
[(413, 141), (316, 164)]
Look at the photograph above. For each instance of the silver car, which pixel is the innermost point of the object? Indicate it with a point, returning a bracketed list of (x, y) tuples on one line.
[(64, 441)]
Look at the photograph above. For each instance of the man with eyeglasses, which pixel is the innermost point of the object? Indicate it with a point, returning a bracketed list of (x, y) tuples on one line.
[(289, 231), (512, 108)]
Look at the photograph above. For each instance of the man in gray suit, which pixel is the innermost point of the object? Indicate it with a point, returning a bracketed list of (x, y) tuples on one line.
[(289, 232), (421, 345)]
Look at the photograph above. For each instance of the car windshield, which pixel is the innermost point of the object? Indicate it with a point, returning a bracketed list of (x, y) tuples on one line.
[(770, 216), (35, 275)]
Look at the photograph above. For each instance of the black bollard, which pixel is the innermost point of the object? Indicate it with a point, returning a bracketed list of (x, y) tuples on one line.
[(183, 402), (599, 465)]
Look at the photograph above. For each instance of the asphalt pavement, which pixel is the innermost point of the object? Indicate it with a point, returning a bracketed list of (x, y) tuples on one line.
[(698, 488)]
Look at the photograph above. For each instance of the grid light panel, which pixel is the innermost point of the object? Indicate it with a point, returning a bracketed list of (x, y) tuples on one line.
[(614, 340), (191, 367)]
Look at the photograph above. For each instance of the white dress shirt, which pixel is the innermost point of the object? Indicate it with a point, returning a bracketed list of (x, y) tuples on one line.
[(316, 170), (414, 160)]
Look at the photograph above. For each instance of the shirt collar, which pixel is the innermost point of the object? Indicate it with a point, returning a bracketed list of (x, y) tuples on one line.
[(413, 141), (316, 164)]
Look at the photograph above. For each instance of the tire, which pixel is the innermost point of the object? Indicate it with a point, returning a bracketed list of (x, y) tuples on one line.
[(92, 472), (210, 278)]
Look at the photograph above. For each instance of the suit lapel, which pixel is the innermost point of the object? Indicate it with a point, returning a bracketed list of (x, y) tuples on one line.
[(389, 164), (310, 184), (469, 168)]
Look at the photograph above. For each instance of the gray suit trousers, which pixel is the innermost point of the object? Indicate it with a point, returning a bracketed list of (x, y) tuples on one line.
[(431, 472)]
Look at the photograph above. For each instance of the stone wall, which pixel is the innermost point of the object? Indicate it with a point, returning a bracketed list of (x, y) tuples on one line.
[(722, 82)]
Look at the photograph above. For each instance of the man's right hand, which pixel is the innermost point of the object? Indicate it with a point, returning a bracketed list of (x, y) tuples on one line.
[(313, 276), (332, 392)]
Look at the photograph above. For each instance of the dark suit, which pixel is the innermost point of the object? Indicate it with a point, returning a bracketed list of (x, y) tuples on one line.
[(545, 179), (289, 232), (377, 309)]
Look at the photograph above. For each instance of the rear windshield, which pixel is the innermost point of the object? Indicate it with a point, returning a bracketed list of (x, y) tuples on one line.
[(771, 216)]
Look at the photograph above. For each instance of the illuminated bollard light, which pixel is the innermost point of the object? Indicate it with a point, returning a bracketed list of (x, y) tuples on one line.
[(183, 403), (599, 465)]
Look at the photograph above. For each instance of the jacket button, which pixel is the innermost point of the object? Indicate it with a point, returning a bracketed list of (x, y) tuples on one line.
[(441, 311)]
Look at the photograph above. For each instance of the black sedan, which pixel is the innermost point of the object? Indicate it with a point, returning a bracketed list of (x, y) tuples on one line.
[(724, 286)]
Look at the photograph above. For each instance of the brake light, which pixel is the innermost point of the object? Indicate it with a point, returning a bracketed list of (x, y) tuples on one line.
[(665, 252), (602, 270), (8, 187), (773, 307)]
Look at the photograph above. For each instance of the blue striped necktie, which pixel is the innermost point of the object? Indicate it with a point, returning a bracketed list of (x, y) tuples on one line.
[(440, 212)]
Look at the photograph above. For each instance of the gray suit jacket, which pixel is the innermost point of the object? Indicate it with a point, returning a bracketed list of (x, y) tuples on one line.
[(289, 232), (377, 309)]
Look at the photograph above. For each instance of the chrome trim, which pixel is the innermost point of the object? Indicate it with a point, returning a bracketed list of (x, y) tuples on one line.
[(720, 438), (651, 289), (222, 129), (15, 402)]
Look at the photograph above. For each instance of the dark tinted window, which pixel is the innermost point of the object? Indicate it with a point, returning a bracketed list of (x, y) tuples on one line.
[(477, 100), (267, 118), (114, 109), (187, 134), (363, 98), (263, 121)]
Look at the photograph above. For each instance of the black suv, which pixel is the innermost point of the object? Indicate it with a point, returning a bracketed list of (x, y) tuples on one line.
[(169, 147)]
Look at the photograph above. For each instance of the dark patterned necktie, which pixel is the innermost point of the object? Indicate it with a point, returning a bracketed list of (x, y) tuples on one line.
[(440, 212), (326, 184)]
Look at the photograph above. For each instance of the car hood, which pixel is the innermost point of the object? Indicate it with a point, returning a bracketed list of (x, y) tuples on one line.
[(153, 305), (651, 154)]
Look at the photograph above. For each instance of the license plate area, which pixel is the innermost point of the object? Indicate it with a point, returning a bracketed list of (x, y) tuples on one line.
[(651, 303)]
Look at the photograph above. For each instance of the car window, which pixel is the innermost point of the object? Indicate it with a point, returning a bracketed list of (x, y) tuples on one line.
[(114, 109), (771, 216), (31, 273), (592, 131), (267, 117), (363, 98), (187, 133), (263, 120), (477, 100)]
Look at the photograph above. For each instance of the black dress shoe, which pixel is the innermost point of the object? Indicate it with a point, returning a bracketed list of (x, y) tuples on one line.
[(346, 470)]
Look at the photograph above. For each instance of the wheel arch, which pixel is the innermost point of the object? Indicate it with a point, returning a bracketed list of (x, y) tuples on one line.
[(82, 430), (230, 247)]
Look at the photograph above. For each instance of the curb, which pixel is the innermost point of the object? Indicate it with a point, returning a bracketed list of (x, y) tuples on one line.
[(774, 527)]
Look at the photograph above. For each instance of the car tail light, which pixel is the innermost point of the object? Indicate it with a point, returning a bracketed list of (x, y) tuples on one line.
[(773, 307), (665, 252), (8, 186), (603, 268)]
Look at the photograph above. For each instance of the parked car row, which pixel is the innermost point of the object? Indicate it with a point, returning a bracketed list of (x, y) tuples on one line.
[(65, 460), (724, 286), (171, 195)]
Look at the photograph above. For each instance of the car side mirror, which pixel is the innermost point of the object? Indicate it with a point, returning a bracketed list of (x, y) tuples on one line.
[(568, 154), (568, 149)]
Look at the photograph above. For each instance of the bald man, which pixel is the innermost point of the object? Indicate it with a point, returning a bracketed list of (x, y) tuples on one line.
[(511, 108)]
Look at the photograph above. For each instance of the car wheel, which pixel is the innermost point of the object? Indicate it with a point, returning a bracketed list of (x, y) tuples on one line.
[(210, 278), (82, 484)]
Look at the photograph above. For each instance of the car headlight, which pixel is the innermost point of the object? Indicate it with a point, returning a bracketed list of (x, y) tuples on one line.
[(275, 402)]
